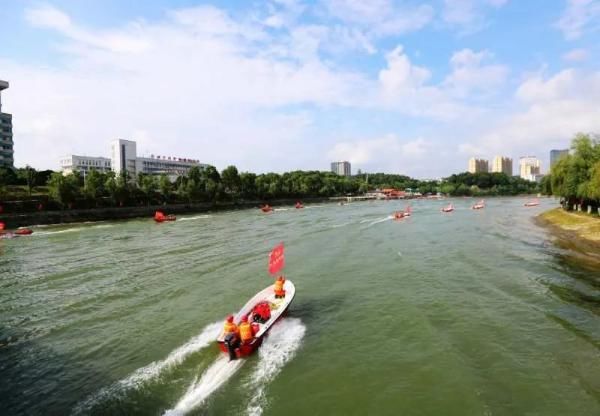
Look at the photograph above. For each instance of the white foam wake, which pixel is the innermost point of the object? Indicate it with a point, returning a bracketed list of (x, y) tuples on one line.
[(279, 348), (214, 377), (381, 220), (198, 217), (154, 369)]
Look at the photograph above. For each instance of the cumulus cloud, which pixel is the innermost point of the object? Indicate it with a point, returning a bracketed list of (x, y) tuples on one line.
[(579, 16), (388, 153), (551, 110), (470, 74)]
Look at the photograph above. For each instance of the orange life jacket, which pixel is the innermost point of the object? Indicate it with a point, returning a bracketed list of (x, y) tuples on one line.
[(230, 328), (278, 289), (246, 331)]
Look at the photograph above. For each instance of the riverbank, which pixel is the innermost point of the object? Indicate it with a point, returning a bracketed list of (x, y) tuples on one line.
[(574, 231), (66, 216)]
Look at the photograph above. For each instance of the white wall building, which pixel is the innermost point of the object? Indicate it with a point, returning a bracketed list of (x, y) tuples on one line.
[(530, 167), (123, 158), (83, 164)]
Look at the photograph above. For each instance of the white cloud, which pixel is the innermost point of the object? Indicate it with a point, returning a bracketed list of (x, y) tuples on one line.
[(469, 74), (550, 111), (388, 153), (381, 17), (469, 15), (576, 55), (580, 16)]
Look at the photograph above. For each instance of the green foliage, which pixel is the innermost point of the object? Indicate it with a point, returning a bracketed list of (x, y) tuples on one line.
[(63, 189), (576, 177)]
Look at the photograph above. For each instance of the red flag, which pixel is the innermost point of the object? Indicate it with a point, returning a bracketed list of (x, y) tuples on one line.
[(276, 259)]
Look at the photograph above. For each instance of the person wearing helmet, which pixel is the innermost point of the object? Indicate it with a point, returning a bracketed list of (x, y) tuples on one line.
[(278, 288), (246, 331)]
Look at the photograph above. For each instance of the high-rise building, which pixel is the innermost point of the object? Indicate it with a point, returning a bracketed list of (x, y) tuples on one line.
[(503, 165), (6, 136), (555, 155), (478, 165), (341, 168), (123, 157), (530, 167)]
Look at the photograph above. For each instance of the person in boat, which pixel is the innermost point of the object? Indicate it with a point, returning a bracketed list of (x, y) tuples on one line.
[(159, 216), (261, 312), (230, 327), (278, 288), (246, 331)]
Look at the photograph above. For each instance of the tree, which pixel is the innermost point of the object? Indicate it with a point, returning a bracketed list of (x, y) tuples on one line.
[(231, 180), (164, 187), (94, 185), (27, 176), (63, 189)]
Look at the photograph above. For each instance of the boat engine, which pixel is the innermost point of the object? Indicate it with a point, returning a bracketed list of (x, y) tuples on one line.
[(232, 342)]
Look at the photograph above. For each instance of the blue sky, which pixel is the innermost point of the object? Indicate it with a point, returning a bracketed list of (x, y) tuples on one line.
[(410, 87)]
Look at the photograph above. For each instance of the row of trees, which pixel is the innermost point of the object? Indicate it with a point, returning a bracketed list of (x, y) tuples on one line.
[(575, 178), (210, 185)]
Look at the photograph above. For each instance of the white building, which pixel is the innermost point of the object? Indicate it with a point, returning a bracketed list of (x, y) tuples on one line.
[(123, 158), (530, 167), (83, 164)]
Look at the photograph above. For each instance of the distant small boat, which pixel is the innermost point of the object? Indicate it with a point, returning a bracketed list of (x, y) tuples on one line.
[(299, 205), (266, 208), (449, 208), (479, 205), (159, 216), (24, 231), (532, 203)]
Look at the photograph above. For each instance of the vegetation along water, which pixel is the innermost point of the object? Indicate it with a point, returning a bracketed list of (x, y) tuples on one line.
[(466, 313)]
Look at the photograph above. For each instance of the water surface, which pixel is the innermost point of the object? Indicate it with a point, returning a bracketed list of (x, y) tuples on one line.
[(468, 313)]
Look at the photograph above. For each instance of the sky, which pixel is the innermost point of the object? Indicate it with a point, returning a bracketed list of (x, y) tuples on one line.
[(396, 86)]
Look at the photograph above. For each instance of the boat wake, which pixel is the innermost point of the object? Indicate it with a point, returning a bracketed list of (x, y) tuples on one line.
[(214, 377), (198, 217), (281, 209), (71, 230), (278, 349), (389, 217), (341, 225), (152, 370)]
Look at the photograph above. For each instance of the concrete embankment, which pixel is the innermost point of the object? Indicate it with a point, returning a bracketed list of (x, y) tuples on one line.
[(14, 220), (574, 231)]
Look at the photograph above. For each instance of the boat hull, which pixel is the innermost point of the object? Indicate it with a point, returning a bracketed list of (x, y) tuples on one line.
[(278, 308)]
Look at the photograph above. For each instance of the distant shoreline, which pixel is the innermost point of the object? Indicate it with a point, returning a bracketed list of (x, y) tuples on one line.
[(66, 216), (575, 231)]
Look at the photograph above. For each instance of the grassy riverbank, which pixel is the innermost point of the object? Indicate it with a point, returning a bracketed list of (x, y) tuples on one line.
[(576, 232)]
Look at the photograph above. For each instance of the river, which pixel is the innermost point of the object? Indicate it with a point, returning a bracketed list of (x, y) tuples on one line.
[(467, 313)]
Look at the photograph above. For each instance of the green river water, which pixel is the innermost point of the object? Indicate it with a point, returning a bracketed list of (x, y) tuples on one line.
[(468, 313)]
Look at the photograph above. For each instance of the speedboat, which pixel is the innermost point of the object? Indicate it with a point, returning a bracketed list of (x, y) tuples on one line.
[(533, 203), (449, 208), (266, 208), (254, 310), (479, 205), (159, 216), (398, 215)]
